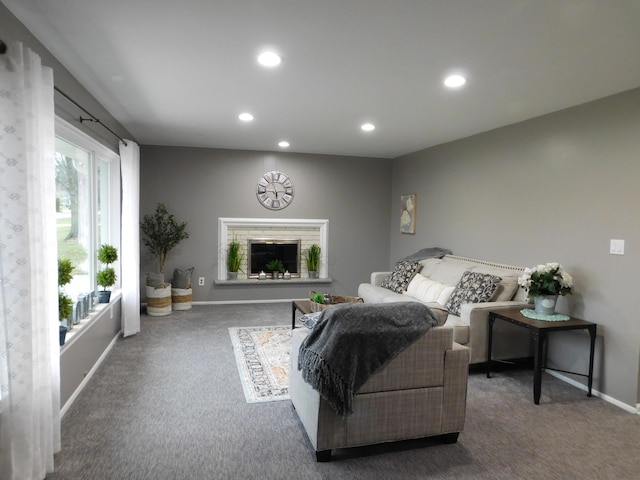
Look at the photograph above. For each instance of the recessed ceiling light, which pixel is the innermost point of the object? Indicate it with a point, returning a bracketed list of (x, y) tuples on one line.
[(269, 59), (455, 81), (367, 127), (283, 144), (245, 117)]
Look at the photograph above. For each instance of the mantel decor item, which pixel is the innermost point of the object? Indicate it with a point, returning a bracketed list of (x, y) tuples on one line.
[(276, 267), (312, 259), (544, 283), (408, 213), (235, 259)]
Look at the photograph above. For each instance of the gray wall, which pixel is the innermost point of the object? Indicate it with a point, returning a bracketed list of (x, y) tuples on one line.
[(80, 355), (12, 29), (555, 188), (200, 185)]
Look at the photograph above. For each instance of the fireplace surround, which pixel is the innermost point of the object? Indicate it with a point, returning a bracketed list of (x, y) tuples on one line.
[(306, 231)]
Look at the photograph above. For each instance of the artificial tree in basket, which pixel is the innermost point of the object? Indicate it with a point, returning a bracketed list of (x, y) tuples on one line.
[(161, 233)]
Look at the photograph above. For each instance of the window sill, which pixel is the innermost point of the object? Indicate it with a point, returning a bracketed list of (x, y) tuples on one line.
[(83, 325)]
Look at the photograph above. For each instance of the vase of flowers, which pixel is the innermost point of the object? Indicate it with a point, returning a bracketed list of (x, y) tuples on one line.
[(544, 283)]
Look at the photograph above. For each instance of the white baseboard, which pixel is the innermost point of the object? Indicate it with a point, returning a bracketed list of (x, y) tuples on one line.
[(596, 393), (88, 376), (239, 302)]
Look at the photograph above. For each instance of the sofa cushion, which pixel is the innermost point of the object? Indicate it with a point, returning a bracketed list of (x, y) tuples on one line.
[(427, 290), (372, 294), (400, 277), (461, 331), (473, 287)]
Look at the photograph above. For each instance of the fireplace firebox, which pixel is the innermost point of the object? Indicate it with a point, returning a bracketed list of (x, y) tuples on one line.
[(261, 251)]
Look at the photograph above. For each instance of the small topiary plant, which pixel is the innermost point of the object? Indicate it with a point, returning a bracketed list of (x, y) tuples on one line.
[(107, 254), (65, 304)]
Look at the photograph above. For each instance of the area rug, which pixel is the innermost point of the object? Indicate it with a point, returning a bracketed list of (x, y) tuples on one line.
[(262, 356)]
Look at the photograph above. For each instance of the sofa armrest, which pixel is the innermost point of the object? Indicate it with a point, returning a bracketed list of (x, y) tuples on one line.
[(377, 277), (476, 315), (456, 374), (481, 310)]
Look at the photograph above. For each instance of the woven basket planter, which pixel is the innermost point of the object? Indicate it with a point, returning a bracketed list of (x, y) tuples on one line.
[(181, 298), (318, 307), (159, 300)]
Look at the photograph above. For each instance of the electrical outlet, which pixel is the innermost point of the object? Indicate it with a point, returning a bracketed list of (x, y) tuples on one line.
[(616, 247), (201, 281)]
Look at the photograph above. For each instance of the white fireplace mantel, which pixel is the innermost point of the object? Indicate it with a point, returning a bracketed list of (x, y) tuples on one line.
[(225, 223)]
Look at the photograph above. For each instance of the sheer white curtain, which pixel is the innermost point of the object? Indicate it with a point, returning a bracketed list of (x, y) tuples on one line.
[(130, 264), (29, 345)]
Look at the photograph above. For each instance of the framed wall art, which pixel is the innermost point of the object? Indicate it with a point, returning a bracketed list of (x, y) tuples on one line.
[(408, 213)]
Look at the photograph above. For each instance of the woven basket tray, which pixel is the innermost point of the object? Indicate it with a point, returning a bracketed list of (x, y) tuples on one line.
[(318, 307)]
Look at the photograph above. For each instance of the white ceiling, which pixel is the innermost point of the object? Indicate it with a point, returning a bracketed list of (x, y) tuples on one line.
[(179, 72)]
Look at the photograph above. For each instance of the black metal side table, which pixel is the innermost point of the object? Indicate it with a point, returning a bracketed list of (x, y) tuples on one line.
[(539, 330)]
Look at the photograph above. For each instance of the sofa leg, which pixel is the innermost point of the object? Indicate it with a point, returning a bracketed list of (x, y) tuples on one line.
[(449, 438), (323, 456)]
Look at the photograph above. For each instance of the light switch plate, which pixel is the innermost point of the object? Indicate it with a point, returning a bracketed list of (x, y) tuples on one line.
[(616, 247)]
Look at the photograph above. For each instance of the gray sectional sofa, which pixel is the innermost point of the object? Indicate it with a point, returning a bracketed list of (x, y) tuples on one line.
[(436, 283)]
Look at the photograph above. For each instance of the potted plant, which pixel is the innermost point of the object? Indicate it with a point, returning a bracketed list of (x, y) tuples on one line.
[(544, 283), (276, 267), (235, 259), (161, 233), (65, 304), (107, 255), (312, 259)]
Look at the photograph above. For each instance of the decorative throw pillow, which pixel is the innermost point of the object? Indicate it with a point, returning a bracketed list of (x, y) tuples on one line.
[(401, 276), (182, 278), (426, 290), (473, 287)]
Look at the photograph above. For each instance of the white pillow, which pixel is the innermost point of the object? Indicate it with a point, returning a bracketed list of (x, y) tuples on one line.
[(427, 290)]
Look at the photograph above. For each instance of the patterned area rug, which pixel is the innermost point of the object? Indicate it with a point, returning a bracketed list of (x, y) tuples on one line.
[(262, 356)]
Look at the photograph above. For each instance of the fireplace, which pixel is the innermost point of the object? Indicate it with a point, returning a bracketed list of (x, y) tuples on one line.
[(300, 231), (261, 251)]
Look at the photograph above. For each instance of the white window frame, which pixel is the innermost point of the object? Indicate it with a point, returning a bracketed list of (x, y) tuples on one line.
[(68, 132)]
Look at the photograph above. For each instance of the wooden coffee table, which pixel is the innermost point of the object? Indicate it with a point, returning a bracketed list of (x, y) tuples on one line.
[(303, 306)]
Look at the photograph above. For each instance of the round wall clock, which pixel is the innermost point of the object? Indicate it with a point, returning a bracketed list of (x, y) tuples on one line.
[(274, 190)]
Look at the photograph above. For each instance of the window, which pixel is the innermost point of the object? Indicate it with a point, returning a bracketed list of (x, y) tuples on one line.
[(87, 204)]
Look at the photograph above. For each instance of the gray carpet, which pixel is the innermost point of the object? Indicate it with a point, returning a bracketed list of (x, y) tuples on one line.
[(168, 404)]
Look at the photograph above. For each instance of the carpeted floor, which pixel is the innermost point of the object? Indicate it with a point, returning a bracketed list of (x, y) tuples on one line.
[(167, 404)]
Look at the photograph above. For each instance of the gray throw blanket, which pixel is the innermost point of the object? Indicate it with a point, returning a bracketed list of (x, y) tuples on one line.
[(431, 252), (351, 341)]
